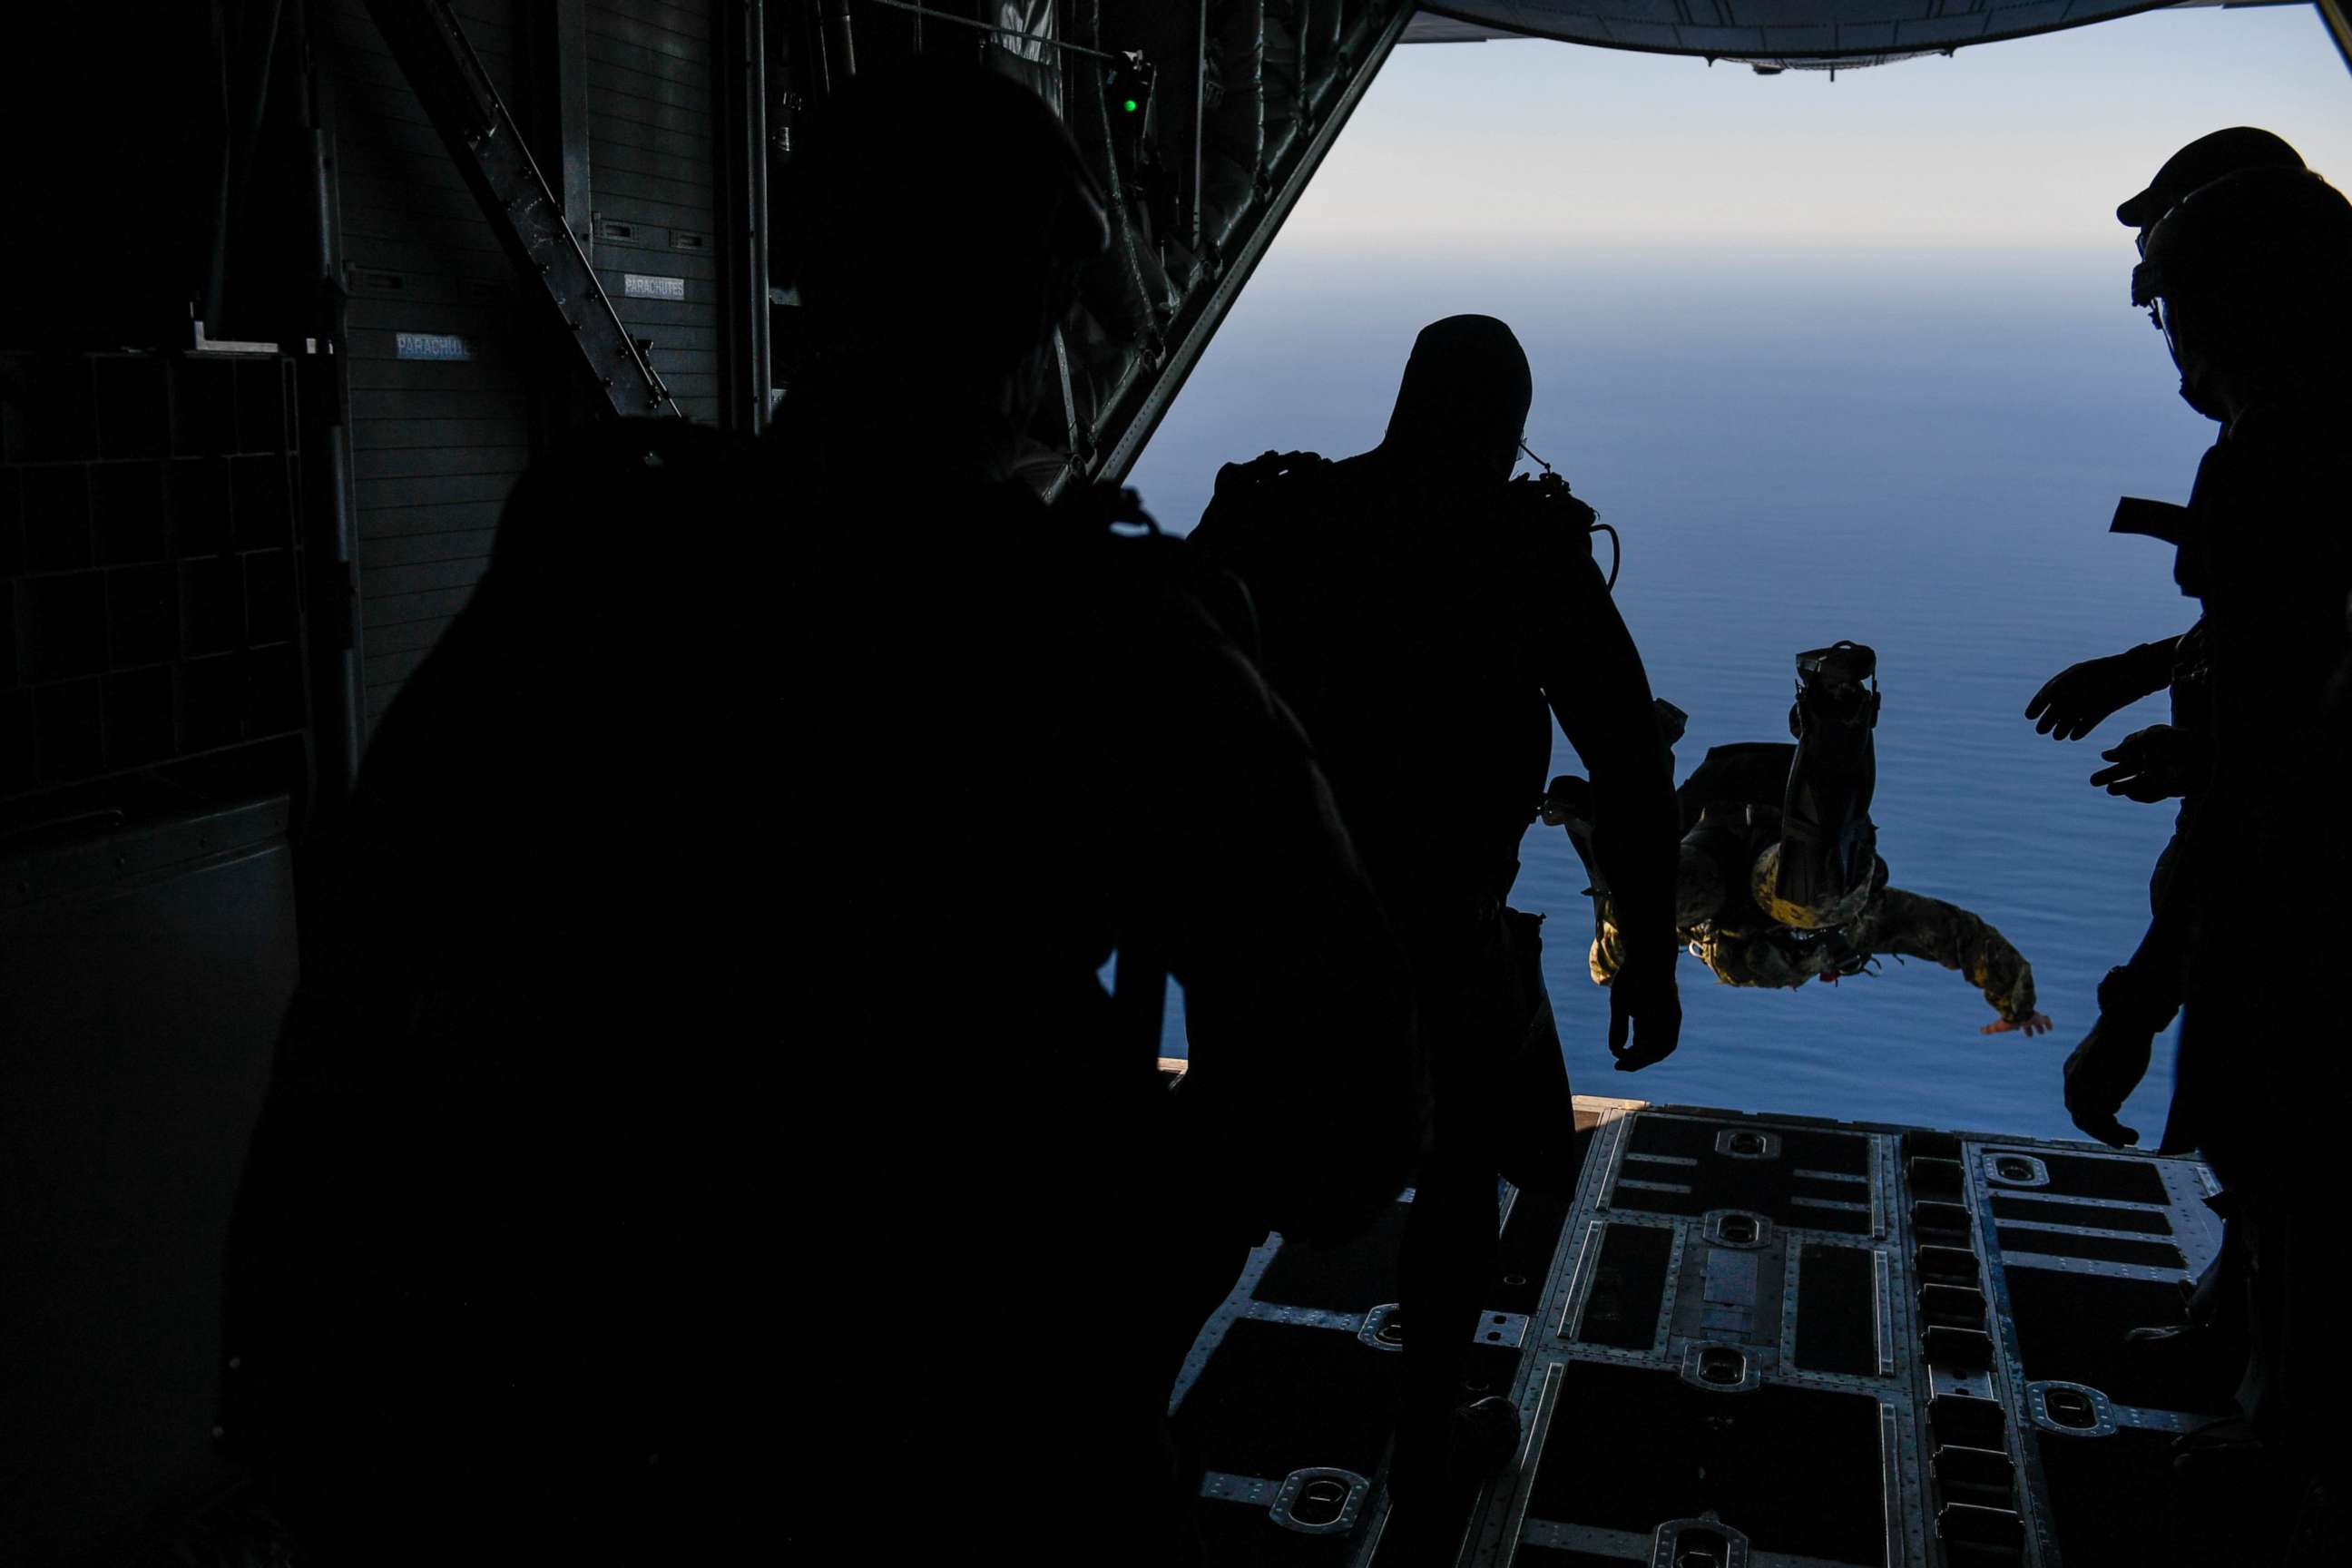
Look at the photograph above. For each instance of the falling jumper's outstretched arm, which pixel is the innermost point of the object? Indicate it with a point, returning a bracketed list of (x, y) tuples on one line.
[(1912, 925)]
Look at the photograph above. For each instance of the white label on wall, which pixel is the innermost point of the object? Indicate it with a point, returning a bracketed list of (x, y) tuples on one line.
[(638, 286), (431, 345)]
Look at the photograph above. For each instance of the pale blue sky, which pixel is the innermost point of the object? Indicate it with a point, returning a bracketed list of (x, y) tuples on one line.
[(2028, 143)]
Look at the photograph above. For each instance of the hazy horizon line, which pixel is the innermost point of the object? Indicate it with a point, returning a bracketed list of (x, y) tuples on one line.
[(2112, 249)]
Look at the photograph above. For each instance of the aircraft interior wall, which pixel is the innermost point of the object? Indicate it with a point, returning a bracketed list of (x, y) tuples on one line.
[(446, 403), (285, 184), (436, 439)]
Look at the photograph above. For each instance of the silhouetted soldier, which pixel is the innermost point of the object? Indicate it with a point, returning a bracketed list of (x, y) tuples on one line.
[(703, 1127), (483, 1279), (2173, 760), (2240, 269), (1419, 611), (2301, 864), (1018, 742), (1763, 905), (2241, 275), (2170, 761)]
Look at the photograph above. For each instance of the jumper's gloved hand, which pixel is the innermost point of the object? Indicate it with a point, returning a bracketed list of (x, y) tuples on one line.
[(2155, 763), (2080, 698), (1645, 1014)]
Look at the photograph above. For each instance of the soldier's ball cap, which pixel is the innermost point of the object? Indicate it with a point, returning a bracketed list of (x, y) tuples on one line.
[(2284, 232), (2201, 162)]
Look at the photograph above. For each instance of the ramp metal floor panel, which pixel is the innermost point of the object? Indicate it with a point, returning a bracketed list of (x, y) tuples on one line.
[(1753, 1342)]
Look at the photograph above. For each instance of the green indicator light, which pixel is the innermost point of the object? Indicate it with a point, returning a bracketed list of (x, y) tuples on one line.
[(1131, 106)]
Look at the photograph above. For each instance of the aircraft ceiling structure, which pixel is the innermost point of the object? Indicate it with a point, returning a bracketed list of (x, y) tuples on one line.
[(1787, 33)]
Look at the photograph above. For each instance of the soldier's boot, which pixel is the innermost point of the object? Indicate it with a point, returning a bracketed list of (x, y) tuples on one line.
[(1673, 723), (1828, 844), (2200, 1360), (1434, 1477)]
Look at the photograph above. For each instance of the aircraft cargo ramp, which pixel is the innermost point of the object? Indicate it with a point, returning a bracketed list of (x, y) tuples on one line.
[(1758, 1340)]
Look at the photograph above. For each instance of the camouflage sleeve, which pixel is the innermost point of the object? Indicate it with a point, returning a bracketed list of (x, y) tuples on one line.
[(1608, 952), (1912, 925)]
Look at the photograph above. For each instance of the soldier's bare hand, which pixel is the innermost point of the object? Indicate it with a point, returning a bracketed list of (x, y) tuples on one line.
[(2039, 1024), (2154, 764), (2080, 698)]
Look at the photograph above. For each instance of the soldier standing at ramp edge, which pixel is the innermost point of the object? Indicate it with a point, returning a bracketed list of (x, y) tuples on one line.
[(987, 1154), (711, 1150), (1422, 611)]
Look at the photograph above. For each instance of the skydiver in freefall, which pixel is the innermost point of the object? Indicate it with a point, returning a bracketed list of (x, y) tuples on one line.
[(1780, 881)]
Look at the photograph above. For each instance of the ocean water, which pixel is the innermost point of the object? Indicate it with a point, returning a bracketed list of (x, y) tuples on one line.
[(1916, 451)]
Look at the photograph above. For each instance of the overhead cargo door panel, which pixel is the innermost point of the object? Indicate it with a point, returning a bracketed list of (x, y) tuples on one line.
[(440, 403), (653, 121)]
